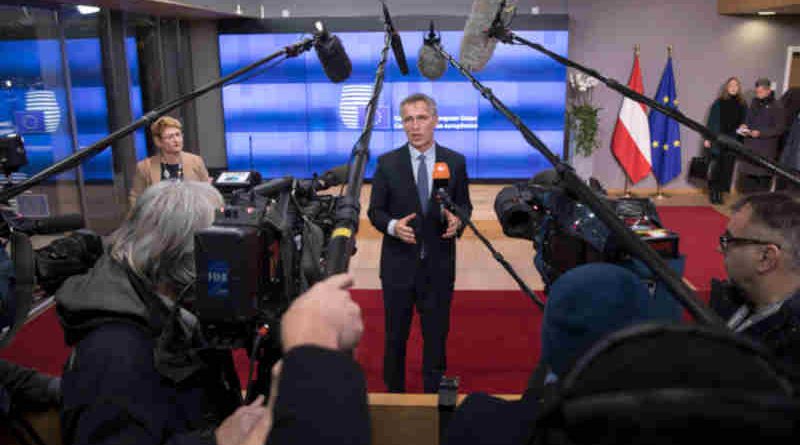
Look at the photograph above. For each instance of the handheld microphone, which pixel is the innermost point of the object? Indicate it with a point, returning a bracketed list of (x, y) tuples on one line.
[(477, 46), (441, 176), (430, 62), (332, 55), (397, 44), (441, 179)]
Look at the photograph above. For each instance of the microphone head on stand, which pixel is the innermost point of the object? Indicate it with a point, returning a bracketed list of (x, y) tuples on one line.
[(477, 44), (331, 54), (430, 62)]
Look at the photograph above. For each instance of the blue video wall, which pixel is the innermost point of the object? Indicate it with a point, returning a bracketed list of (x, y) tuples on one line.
[(33, 101), (291, 120)]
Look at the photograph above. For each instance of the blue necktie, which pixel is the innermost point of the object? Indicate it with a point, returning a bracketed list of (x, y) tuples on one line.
[(422, 183)]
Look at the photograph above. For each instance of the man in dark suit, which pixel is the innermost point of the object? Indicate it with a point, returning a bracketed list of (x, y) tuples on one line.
[(418, 254)]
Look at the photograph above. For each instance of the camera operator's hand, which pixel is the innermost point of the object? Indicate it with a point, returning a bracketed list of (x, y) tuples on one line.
[(453, 224), (248, 424), (324, 316), (404, 231)]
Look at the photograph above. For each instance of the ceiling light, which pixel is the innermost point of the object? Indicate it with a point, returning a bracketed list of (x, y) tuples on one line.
[(85, 9), (767, 12)]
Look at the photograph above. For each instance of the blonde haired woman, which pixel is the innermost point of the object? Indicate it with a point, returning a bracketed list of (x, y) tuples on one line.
[(170, 163)]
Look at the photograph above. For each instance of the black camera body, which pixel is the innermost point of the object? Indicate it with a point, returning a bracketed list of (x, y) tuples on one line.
[(565, 232), (265, 248)]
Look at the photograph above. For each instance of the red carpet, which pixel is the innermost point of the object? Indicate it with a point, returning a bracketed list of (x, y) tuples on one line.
[(699, 229), (493, 344), (494, 337)]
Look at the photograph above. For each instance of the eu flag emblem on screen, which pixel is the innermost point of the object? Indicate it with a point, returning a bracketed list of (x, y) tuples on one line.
[(381, 117), (30, 121)]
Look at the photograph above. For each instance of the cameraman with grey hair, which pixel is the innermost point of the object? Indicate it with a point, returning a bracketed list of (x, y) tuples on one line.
[(140, 372)]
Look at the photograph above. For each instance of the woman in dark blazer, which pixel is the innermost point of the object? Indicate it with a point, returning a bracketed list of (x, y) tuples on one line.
[(727, 113)]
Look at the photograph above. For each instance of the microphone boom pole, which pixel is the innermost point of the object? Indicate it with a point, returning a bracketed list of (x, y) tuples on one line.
[(629, 240), (342, 243), (505, 35), (74, 160), (464, 216)]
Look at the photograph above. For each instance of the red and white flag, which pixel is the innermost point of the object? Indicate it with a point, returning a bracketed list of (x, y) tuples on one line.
[(631, 141)]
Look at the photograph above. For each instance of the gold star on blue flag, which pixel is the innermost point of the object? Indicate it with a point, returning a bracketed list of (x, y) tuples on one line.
[(665, 132)]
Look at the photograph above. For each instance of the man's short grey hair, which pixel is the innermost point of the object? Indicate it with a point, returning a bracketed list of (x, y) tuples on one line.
[(157, 240), (420, 97), (778, 212)]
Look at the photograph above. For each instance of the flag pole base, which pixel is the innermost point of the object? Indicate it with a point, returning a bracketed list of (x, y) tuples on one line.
[(626, 192), (660, 195)]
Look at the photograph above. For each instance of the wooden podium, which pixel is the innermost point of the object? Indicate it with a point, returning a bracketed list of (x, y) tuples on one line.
[(397, 419)]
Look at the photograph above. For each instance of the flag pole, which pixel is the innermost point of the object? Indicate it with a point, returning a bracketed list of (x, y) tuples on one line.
[(659, 192), (627, 190)]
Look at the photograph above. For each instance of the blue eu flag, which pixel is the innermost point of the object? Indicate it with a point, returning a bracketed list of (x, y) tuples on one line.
[(30, 121), (665, 134)]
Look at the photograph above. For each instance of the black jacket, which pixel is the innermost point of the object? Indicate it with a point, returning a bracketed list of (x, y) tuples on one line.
[(118, 387), (394, 195), (766, 116), (780, 332)]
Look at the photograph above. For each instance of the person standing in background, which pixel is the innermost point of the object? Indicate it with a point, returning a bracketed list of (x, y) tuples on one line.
[(727, 113), (762, 130), (170, 163), (790, 156)]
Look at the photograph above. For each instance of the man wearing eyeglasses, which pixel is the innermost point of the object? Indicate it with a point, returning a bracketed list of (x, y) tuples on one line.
[(418, 258), (761, 247)]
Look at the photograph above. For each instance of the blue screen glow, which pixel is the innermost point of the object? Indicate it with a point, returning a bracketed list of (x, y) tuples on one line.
[(290, 120), (39, 73)]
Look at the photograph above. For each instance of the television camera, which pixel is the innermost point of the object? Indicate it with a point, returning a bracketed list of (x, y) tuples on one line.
[(266, 247), (566, 233), (26, 268)]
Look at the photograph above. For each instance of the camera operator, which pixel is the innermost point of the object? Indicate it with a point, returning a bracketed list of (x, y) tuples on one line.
[(139, 373), (761, 247)]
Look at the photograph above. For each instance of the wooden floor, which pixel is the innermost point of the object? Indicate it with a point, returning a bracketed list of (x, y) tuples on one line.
[(475, 267)]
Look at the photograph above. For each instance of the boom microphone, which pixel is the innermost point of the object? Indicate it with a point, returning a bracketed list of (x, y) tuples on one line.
[(397, 44), (274, 186), (477, 46), (332, 55), (47, 226), (430, 62)]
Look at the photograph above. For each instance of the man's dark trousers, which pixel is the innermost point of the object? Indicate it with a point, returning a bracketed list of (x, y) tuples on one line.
[(432, 300)]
